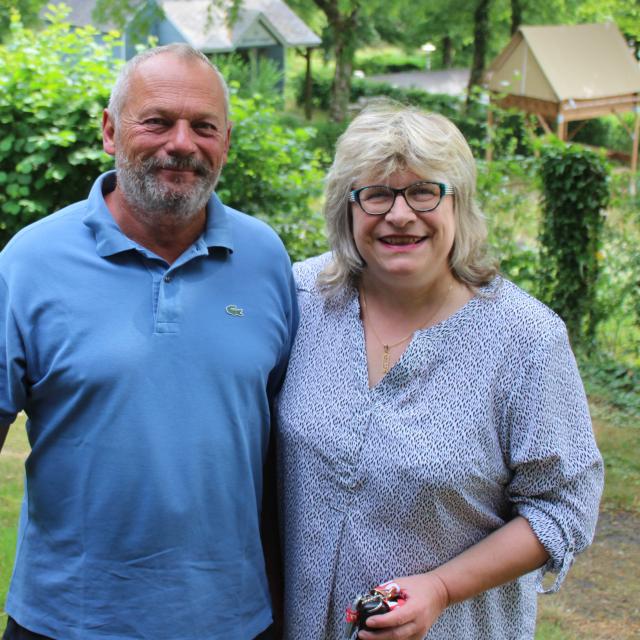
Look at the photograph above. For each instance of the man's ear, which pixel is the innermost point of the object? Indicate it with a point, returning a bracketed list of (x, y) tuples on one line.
[(108, 133)]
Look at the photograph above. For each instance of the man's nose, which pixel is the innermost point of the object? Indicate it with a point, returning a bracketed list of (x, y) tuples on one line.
[(181, 139)]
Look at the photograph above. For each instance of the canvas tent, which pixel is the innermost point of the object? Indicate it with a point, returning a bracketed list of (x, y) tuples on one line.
[(564, 73)]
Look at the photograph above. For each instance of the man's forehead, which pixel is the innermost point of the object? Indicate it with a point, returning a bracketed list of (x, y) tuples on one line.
[(166, 83), (169, 63)]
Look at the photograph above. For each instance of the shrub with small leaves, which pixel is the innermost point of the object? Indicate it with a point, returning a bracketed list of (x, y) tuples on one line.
[(54, 84), (575, 191), (274, 174)]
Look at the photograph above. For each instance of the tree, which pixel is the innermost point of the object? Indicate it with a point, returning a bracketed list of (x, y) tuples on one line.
[(624, 13), (480, 42), (467, 34), (53, 86), (28, 9), (342, 18), (516, 15)]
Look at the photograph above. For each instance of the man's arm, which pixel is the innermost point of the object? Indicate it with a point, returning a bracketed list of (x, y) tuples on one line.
[(12, 365)]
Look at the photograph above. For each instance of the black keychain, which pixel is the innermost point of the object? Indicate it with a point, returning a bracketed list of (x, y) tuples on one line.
[(380, 599)]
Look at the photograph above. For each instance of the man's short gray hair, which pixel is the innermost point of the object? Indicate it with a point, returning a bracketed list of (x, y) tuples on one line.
[(120, 91), (386, 138)]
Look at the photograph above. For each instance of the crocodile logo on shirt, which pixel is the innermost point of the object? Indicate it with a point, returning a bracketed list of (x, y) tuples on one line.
[(232, 310)]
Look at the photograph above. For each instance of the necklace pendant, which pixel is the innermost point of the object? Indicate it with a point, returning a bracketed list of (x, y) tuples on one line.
[(385, 358)]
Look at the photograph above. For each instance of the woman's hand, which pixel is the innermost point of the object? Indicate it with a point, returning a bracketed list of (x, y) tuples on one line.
[(508, 552), (426, 598)]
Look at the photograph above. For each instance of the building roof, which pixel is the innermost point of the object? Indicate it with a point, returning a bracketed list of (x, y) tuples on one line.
[(566, 62), (80, 14), (204, 24)]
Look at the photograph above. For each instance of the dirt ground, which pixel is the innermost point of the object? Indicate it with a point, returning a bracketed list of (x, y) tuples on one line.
[(600, 599)]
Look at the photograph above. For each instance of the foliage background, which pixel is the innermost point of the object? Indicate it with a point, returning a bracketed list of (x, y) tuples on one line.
[(54, 84), (53, 87)]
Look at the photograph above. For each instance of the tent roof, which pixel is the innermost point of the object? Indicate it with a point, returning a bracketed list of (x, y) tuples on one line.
[(565, 62)]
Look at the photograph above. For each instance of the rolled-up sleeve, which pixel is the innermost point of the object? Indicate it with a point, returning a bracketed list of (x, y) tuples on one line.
[(558, 473), (12, 361)]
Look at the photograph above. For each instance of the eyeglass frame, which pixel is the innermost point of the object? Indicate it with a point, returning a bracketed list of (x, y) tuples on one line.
[(445, 190)]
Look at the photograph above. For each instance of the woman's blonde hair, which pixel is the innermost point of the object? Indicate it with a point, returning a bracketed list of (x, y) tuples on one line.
[(386, 138)]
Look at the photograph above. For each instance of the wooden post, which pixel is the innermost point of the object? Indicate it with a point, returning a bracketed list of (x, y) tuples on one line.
[(308, 112), (634, 151), (543, 123), (489, 149), (253, 65), (561, 126)]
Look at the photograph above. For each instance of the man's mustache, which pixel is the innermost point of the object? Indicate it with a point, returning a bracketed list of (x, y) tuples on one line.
[(177, 163)]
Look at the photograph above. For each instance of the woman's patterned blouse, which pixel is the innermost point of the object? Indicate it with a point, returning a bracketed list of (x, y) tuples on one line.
[(484, 417)]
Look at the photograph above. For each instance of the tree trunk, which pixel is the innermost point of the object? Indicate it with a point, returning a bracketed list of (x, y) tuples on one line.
[(342, 18), (447, 52), (341, 87), (480, 40), (308, 88), (516, 15)]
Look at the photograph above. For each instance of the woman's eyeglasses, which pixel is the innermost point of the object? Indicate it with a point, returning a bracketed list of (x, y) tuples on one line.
[(378, 200)]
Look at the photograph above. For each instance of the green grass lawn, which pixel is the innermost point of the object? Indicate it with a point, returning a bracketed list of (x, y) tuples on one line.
[(11, 482)]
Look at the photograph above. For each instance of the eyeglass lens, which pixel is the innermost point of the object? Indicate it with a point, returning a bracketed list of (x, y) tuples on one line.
[(421, 196)]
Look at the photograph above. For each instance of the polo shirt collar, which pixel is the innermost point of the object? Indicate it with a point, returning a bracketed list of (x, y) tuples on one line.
[(110, 240)]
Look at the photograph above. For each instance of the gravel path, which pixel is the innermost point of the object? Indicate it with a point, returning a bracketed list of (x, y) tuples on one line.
[(451, 81)]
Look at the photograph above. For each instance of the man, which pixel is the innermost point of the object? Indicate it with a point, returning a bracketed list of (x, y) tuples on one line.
[(144, 332)]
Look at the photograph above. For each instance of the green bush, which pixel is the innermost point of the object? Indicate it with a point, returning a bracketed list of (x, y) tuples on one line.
[(575, 190), (54, 84), (607, 132), (618, 297), (274, 173), (505, 197), (321, 80), (362, 88), (265, 80), (389, 62), (510, 134)]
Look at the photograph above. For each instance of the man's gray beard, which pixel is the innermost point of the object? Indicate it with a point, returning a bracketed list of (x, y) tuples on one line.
[(157, 201)]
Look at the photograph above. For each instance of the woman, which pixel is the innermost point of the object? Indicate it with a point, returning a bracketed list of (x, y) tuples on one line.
[(433, 426)]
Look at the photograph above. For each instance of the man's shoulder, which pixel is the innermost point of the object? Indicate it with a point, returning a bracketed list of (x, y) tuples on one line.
[(244, 220), (56, 229)]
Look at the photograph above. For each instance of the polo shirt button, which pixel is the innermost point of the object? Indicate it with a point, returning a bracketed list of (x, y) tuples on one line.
[(168, 278)]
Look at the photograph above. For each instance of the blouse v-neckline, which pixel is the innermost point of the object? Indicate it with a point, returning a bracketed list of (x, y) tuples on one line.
[(362, 368)]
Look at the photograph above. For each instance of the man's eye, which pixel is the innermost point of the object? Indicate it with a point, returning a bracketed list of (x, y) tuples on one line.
[(205, 127), (156, 122)]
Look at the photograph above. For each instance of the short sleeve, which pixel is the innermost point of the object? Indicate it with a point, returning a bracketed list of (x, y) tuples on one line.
[(12, 361), (557, 469), (292, 313)]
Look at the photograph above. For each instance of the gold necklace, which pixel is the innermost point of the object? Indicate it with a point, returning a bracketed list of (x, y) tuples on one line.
[(386, 348)]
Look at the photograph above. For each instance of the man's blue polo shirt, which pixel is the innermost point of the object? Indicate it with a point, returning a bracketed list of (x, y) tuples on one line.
[(148, 391)]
